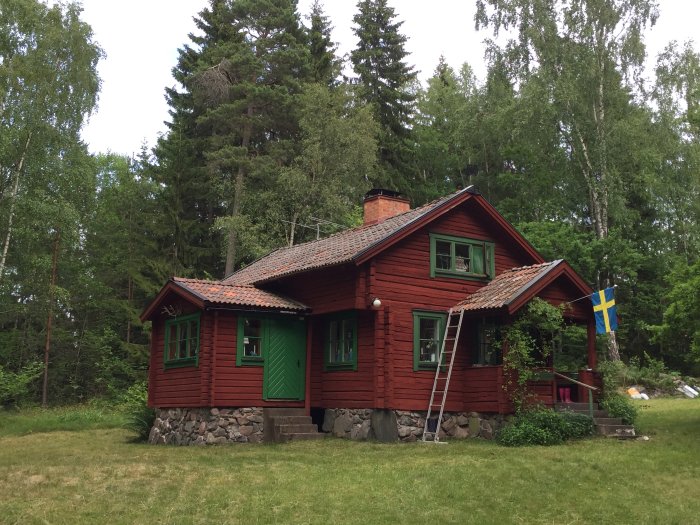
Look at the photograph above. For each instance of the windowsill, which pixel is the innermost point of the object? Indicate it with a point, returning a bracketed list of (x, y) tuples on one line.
[(252, 361), (461, 275), (180, 363), (428, 366), (331, 367)]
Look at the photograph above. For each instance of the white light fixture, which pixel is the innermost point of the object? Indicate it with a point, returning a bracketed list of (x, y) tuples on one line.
[(376, 303)]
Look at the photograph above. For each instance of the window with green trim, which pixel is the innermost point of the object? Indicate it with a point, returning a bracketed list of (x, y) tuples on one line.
[(428, 331), (340, 343), (461, 257), (182, 341), (250, 348)]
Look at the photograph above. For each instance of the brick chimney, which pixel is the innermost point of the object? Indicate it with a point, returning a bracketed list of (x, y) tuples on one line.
[(381, 204)]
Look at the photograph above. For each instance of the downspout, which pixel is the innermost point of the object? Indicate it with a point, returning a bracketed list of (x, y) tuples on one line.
[(309, 344)]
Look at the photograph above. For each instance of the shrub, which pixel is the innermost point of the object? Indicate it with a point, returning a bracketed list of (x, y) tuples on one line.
[(577, 425), (620, 406), (522, 433), (15, 386), (139, 416), (549, 421), (545, 427)]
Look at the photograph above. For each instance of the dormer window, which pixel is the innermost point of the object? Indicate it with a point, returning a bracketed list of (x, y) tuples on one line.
[(461, 257)]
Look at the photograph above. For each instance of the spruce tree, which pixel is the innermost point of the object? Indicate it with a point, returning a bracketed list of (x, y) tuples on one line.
[(385, 83), (325, 66)]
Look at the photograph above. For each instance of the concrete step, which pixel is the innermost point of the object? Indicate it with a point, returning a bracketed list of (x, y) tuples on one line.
[(291, 420), (576, 407), (618, 431), (295, 428), (597, 413), (607, 420), (280, 411), (281, 415), (302, 436)]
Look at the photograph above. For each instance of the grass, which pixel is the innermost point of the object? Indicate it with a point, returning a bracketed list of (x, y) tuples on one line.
[(71, 418), (100, 477)]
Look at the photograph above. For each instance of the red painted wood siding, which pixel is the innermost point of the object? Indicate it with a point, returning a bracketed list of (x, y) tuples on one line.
[(178, 387), (237, 386), (561, 291), (344, 388), (192, 386), (330, 290), (402, 281)]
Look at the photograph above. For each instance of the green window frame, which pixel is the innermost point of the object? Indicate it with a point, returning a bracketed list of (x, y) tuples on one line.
[(182, 341), (461, 257), (340, 342), (250, 341), (428, 331)]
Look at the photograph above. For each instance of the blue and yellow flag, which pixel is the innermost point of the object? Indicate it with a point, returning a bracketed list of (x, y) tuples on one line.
[(605, 311)]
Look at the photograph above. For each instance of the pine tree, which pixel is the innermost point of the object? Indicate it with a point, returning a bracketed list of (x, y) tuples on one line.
[(235, 122), (385, 83)]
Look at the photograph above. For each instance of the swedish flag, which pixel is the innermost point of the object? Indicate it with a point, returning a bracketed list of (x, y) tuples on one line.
[(605, 310)]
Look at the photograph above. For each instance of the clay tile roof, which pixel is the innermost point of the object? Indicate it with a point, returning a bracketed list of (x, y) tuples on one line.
[(339, 248), (237, 295), (506, 287)]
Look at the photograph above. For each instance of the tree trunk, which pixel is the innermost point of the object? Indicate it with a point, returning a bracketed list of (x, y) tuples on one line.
[(129, 297), (292, 228), (49, 320), (238, 196), (13, 200)]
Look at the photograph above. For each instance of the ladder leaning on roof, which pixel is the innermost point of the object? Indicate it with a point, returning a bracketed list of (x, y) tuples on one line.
[(441, 384)]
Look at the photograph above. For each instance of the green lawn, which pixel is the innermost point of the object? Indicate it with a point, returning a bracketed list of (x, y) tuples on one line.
[(101, 477)]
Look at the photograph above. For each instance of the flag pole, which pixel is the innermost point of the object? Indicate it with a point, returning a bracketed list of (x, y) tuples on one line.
[(587, 296)]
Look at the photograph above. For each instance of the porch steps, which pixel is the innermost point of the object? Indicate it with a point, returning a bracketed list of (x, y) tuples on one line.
[(289, 424), (604, 424)]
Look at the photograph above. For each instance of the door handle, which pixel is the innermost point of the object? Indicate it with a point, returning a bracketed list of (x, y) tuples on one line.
[(298, 363)]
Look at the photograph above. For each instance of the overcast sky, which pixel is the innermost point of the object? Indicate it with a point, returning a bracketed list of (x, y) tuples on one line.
[(141, 38)]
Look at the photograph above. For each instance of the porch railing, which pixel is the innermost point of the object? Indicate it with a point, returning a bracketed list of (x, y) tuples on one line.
[(590, 389)]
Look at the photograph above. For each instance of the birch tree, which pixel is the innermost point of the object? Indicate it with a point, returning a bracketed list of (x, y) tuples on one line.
[(48, 85), (588, 55)]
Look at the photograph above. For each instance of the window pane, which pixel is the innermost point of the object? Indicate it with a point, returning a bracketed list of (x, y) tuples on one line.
[(251, 327), (489, 350), (191, 334), (429, 340), (462, 258), (348, 340), (182, 342), (251, 347), (252, 341), (334, 338), (443, 255), (172, 342)]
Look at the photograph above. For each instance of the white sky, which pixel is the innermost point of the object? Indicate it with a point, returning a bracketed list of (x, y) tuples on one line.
[(141, 38)]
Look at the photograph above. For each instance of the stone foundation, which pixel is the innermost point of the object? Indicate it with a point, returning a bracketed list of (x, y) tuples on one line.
[(362, 424), (207, 426), (211, 426)]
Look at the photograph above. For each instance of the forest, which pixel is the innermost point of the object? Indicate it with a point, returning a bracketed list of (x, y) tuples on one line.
[(273, 139)]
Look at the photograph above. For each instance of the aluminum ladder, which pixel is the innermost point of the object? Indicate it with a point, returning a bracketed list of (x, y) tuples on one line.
[(441, 383)]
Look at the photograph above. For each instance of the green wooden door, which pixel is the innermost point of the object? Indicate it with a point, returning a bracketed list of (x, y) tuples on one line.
[(285, 362)]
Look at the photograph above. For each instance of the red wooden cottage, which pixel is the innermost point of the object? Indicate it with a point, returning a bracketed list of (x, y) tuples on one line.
[(342, 334)]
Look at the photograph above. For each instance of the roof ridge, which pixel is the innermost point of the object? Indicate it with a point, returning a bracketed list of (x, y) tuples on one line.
[(208, 281), (546, 263), (340, 247)]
